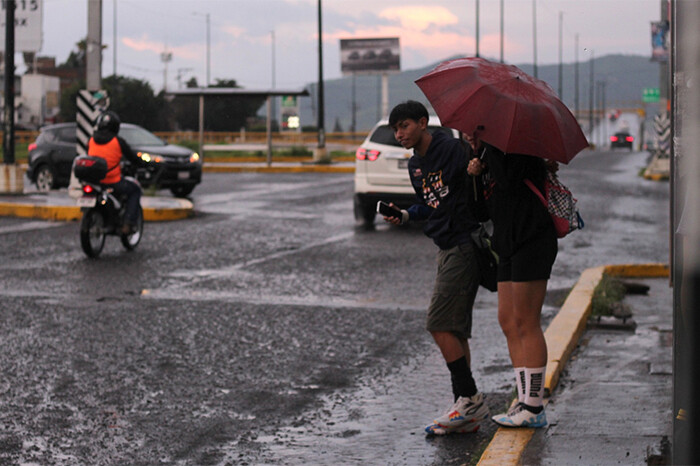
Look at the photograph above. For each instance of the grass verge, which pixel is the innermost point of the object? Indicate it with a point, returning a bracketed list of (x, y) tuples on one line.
[(608, 292)]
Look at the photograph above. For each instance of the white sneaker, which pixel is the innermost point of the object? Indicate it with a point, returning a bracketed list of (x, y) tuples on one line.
[(462, 417), (520, 416)]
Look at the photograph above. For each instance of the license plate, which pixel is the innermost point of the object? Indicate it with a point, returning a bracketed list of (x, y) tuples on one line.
[(183, 175), (87, 201), (403, 164)]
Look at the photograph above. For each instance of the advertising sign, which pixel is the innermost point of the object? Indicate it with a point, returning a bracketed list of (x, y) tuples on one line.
[(28, 26), (659, 41), (377, 55)]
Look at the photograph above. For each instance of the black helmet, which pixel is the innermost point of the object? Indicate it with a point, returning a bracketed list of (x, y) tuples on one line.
[(108, 121)]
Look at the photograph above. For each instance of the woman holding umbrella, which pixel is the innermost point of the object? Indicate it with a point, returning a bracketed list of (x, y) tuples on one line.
[(526, 243)]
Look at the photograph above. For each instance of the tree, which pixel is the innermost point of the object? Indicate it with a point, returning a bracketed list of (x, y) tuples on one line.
[(132, 99)]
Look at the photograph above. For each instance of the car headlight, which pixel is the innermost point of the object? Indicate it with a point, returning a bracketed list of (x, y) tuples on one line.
[(146, 157), (194, 157)]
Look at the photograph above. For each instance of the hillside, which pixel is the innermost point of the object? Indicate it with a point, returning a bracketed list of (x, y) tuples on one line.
[(625, 76)]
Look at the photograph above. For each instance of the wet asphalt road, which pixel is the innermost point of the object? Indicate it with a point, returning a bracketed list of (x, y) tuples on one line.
[(266, 330)]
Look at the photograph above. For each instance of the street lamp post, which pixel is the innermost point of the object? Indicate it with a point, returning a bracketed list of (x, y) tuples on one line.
[(321, 149), (590, 96), (208, 45), (534, 37)]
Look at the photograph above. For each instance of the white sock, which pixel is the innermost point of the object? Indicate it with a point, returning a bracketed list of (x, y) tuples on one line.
[(520, 382), (534, 386)]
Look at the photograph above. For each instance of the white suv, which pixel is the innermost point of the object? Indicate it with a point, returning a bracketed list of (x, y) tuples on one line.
[(381, 171)]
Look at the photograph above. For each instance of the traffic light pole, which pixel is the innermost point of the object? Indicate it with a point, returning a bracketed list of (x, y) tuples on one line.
[(8, 141)]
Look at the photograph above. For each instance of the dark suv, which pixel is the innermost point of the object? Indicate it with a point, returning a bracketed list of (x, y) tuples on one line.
[(174, 167)]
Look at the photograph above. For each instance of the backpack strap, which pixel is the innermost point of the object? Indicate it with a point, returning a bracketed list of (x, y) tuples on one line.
[(536, 191)]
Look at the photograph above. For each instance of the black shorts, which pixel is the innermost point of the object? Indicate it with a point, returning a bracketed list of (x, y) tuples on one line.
[(530, 262)]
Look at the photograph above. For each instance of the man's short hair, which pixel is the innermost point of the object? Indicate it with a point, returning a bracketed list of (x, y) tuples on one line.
[(408, 110)]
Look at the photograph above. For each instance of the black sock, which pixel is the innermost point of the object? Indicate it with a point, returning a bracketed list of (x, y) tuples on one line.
[(462, 381), (533, 409)]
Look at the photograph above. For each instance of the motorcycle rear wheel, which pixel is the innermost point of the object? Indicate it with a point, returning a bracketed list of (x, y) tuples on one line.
[(131, 241), (92, 233)]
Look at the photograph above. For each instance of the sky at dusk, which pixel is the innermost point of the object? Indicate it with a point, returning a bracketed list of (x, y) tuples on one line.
[(259, 43)]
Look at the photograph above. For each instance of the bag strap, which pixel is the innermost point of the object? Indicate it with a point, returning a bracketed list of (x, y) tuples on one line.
[(536, 191)]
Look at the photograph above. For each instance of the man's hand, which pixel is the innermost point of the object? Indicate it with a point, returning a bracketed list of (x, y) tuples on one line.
[(396, 220), (476, 167)]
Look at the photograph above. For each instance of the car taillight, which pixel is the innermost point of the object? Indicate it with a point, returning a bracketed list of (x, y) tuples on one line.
[(87, 189), (613, 138), (31, 147), (629, 139), (367, 154)]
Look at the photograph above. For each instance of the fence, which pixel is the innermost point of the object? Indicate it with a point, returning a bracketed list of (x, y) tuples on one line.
[(225, 137)]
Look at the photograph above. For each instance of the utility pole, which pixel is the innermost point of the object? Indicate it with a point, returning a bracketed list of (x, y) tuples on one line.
[(561, 65), (576, 109), (94, 46), (477, 28), (534, 37), (590, 97), (502, 31), (321, 149), (8, 140), (114, 39)]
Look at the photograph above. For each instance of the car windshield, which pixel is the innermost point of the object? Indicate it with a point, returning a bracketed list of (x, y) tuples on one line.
[(385, 135), (136, 136)]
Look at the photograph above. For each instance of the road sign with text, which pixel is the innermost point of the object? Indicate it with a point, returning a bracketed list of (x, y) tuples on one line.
[(28, 27)]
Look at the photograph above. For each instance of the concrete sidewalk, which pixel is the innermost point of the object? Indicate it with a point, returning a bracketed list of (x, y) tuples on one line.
[(595, 416)]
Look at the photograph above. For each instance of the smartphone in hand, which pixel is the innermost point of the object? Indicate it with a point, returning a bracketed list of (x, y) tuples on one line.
[(389, 211)]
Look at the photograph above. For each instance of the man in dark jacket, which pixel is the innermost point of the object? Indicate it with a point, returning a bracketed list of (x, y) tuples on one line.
[(438, 172), (106, 144)]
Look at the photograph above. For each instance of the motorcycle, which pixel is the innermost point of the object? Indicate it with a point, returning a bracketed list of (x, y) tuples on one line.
[(103, 211)]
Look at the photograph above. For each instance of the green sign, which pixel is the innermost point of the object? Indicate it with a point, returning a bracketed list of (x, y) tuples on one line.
[(650, 94), (289, 101)]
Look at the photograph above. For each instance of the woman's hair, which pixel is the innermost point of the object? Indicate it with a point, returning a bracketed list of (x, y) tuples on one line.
[(408, 110)]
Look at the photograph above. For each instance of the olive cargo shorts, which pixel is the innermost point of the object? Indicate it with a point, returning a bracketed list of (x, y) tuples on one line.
[(455, 288)]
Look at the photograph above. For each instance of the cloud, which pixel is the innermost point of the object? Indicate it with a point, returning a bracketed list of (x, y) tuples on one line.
[(419, 18), (145, 44)]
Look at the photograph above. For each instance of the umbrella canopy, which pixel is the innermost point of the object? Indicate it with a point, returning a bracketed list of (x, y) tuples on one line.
[(510, 109)]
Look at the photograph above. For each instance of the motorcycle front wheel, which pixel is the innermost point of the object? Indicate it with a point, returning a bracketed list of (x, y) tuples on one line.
[(133, 240), (92, 233)]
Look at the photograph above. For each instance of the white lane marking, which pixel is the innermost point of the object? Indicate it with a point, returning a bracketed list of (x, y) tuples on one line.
[(226, 271), (29, 226)]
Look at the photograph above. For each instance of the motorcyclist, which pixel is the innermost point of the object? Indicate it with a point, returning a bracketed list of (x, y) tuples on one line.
[(106, 144)]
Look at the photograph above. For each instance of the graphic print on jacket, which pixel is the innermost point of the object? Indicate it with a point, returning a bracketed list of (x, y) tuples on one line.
[(434, 189)]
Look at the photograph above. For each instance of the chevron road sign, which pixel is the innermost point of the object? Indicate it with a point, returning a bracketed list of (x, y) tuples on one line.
[(90, 105), (662, 127)]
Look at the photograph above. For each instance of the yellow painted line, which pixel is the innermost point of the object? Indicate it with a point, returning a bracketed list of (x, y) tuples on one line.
[(562, 336)]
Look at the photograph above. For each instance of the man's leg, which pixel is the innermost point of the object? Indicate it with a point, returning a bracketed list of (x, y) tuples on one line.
[(449, 323)]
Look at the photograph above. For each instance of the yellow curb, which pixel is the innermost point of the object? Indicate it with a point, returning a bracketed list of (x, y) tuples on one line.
[(562, 336), (71, 213), (506, 446), (274, 169)]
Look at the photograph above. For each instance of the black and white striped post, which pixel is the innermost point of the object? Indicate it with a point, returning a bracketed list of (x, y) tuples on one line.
[(90, 105)]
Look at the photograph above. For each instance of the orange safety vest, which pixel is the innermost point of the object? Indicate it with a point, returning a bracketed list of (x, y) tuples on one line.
[(112, 153)]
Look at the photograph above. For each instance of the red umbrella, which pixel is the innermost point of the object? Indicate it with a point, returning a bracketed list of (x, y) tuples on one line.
[(510, 109)]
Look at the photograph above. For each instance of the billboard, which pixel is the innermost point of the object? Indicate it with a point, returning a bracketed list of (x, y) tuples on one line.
[(27, 26), (376, 55), (659, 41)]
